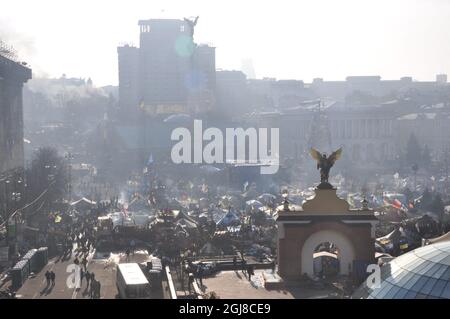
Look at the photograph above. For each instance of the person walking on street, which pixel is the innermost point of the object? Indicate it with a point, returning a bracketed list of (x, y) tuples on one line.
[(132, 246), (84, 262), (52, 277), (97, 289), (250, 272), (200, 275), (82, 275), (92, 289), (88, 278), (48, 277), (244, 265), (191, 281)]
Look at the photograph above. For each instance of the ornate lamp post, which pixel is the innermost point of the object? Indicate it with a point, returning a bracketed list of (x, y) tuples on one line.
[(69, 157), (365, 203), (415, 168), (16, 197), (11, 209)]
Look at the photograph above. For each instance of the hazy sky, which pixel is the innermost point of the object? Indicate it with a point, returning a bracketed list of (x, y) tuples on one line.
[(286, 39)]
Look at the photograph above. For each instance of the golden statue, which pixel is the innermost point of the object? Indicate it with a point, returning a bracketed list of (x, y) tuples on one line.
[(325, 163)]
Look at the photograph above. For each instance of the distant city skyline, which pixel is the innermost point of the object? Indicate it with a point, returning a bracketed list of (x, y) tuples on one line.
[(284, 39)]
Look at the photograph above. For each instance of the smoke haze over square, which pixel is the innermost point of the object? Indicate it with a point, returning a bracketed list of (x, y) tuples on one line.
[(284, 39)]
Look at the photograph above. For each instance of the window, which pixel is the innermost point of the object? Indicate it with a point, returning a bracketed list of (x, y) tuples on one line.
[(363, 129), (377, 128), (392, 292), (356, 152), (355, 129), (145, 28), (335, 128), (428, 286), (440, 271), (438, 288), (370, 126), (348, 129), (400, 294), (446, 292), (182, 28)]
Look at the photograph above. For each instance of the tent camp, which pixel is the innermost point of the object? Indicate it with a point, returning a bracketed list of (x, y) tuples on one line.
[(230, 219), (186, 223), (266, 198), (210, 250), (83, 204)]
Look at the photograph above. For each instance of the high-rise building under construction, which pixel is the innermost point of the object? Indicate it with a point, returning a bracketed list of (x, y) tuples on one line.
[(168, 73)]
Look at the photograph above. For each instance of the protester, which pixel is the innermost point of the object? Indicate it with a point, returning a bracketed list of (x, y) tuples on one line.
[(88, 278), (48, 277), (82, 275), (84, 263), (200, 274), (250, 272), (52, 277)]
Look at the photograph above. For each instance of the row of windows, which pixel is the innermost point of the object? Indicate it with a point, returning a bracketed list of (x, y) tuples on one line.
[(347, 129), (365, 128), (146, 28)]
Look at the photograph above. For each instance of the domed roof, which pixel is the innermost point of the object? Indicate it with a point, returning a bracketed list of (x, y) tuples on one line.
[(421, 273)]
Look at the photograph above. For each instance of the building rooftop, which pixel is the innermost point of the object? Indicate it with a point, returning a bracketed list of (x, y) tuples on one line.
[(132, 274), (423, 273), (235, 285)]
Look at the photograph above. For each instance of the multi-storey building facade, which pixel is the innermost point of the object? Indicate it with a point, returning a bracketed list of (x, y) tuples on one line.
[(168, 73), (12, 77)]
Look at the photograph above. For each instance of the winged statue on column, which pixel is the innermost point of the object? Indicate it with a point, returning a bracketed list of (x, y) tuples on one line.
[(325, 163)]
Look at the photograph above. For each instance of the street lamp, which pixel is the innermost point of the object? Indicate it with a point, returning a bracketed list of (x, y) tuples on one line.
[(6, 196), (365, 203), (11, 217), (69, 157)]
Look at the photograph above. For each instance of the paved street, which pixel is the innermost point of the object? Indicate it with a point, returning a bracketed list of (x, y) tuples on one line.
[(104, 269)]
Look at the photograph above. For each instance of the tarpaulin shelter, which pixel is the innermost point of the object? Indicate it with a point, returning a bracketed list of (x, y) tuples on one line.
[(230, 219), (83, 204)]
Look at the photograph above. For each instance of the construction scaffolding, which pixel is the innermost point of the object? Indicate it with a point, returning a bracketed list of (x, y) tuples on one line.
[(8, 51)]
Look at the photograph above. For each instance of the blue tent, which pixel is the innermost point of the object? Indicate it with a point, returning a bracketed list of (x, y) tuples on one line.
[(230, 219)]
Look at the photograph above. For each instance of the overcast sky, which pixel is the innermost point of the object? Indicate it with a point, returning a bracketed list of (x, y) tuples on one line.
[(286, 39)]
